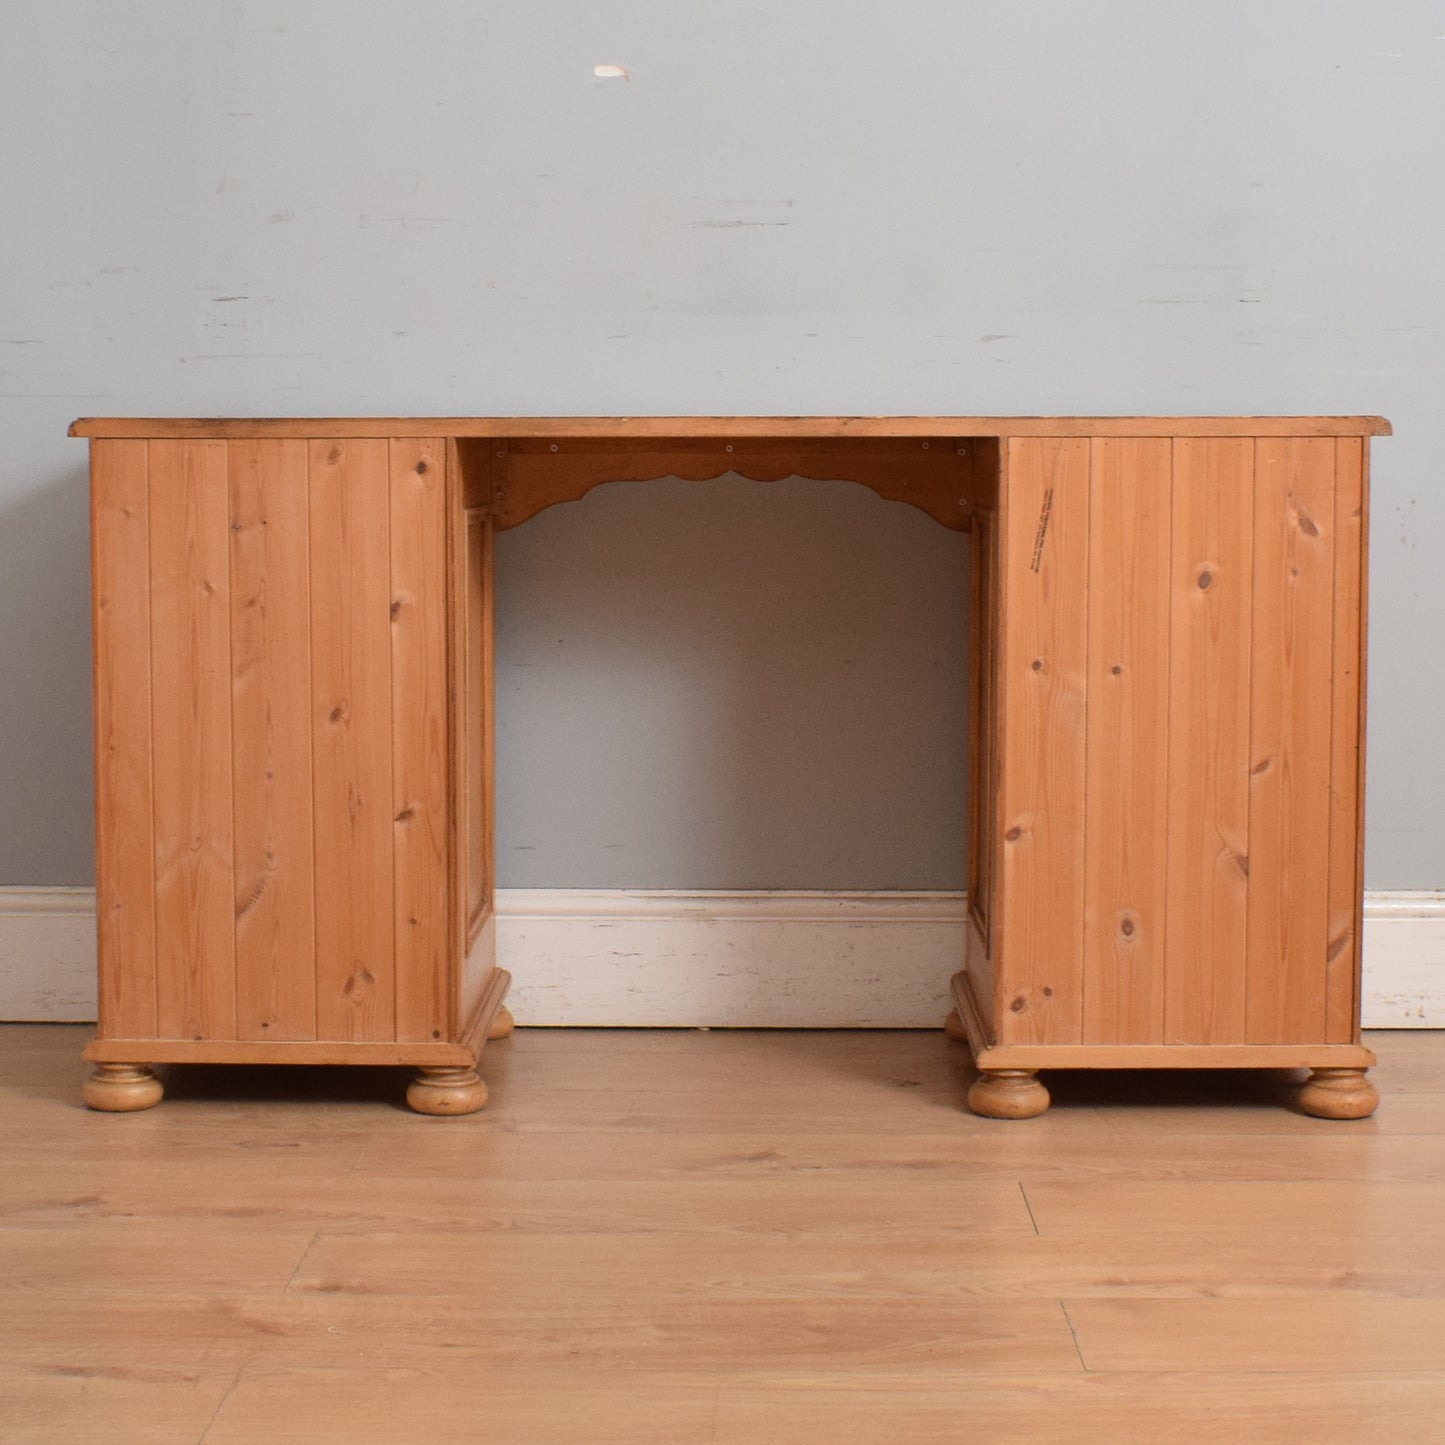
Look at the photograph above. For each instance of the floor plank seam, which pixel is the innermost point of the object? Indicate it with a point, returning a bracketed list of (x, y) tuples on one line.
[(1074, 1335), (210, 1424), (304, 1254), (1029, 1207)]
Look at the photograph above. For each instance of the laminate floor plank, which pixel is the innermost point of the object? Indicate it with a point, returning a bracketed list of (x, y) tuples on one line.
[(866, 1206), (912, 1266), (718, 1405), (1358, 1209), (63, 1404), (764, 1154), (1359, 1334), (92, 1256)]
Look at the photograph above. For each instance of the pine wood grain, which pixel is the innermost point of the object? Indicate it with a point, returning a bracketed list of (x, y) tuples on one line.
[(124, 855), (419, 738), (271, 740), (942, 476), (281, 1051), (1043, 655), (1209, 734), (983, 617), (1346, 882), (739, 426), (476, 684), (191, 739), (1292, 657), (351, 738), (1126, 823)]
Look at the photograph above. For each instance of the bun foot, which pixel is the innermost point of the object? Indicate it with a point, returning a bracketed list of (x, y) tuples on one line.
[(446, 1091), (953, 1027), (502, 1023), (121, 1088), (1008, 1094), (1338, 1094)]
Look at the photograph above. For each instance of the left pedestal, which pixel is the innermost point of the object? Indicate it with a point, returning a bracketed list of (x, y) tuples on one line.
[(292, 717)]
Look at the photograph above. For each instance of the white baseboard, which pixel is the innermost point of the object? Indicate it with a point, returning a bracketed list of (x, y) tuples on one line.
[(47, 955), (1404, 972), (723, 959), (739, 960)]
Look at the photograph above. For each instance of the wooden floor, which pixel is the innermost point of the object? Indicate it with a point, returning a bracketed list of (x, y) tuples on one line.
[(714, 1236)]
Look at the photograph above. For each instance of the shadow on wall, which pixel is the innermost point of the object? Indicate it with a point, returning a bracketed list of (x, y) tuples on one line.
[(731, 684), (46, 787)]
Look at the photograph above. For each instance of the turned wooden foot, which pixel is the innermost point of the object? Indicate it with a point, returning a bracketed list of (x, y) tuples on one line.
[(1008, 1094), (121, 1088), (1338, 1094), (446, 1091), (953, 1027), (502, 1023)]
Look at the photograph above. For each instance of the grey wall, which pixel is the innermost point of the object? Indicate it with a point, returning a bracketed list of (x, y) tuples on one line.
[(253, 208)]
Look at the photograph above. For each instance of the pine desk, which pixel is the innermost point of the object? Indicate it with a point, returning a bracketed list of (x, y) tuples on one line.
[(293, 724)]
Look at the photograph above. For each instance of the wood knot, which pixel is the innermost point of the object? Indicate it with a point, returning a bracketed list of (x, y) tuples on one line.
[(421, 469), (334, 455), (1038, 664), (337, 713), (1013, 834), (406, 814), (1206, 580), (1127, 926), (1262, 767), (1017, 1006), (358, 982), (395, 608), (1115, 670), (1306, 523)]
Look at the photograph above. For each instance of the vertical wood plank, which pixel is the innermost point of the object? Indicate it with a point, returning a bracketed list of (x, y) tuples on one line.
[(191, 739), (476, 715), (124, 858), (1126, 842), (419, 735), (1042, 672), (457, 481), (1342, 958), (487, 692), (1212, 563), (350, 546), (1289, 813), (479, 957), (271, 751), (983, 763), (983, 730)]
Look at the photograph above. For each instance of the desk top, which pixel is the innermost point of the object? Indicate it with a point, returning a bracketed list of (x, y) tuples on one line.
[(642, 427)]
